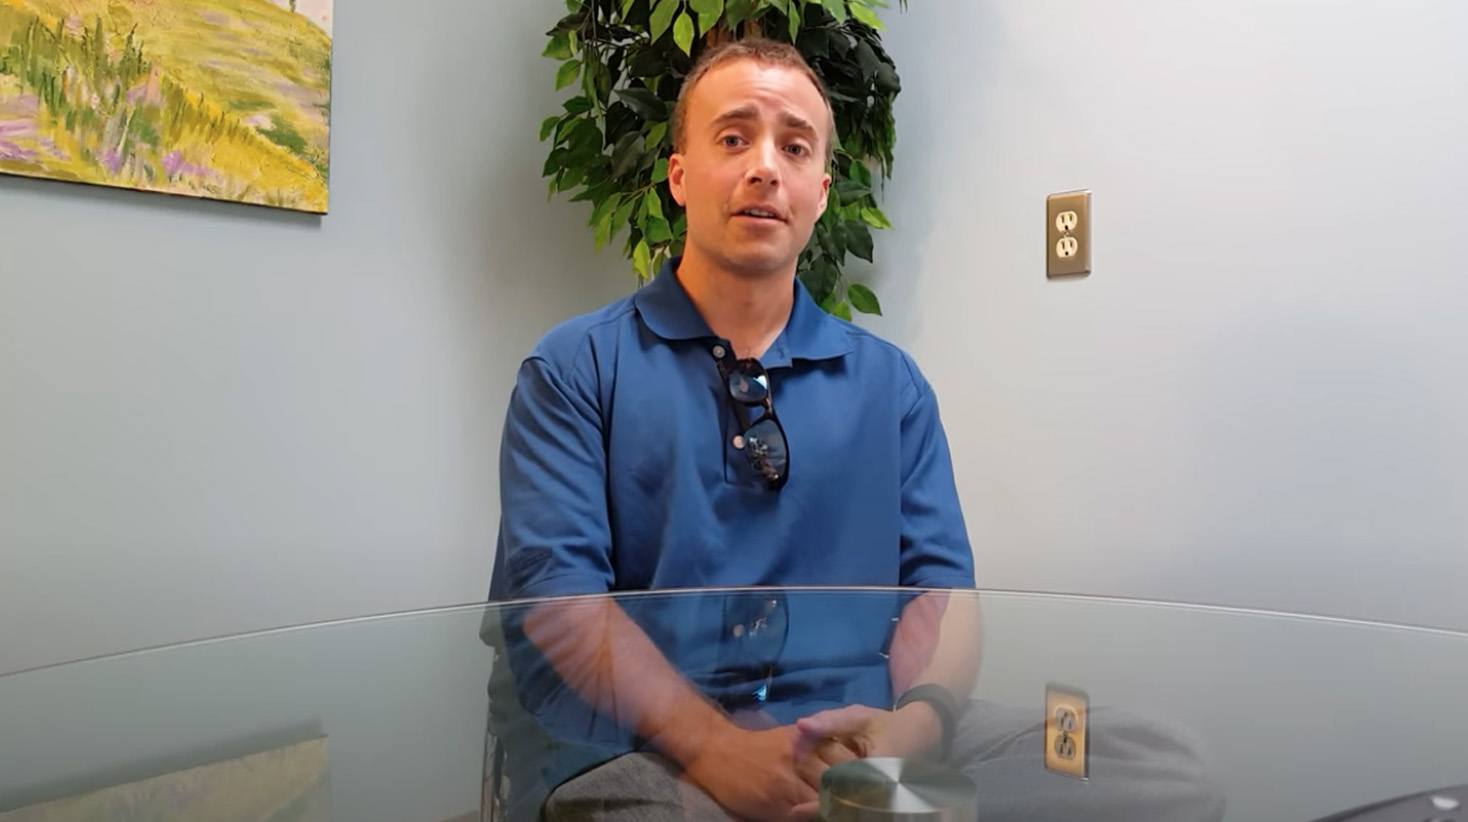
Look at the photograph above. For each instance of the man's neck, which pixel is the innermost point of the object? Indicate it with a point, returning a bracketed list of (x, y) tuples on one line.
[(749, 312)]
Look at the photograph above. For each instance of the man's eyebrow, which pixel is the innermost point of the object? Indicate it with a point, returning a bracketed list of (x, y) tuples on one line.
[(747, 113), (737, 115), (799, 123)]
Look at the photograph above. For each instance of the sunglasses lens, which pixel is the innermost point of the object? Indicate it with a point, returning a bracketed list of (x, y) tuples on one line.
[(764, 444), (749, 385)]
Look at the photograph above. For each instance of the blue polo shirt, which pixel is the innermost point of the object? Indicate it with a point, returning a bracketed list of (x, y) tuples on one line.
[(617, 470), (618, 473)]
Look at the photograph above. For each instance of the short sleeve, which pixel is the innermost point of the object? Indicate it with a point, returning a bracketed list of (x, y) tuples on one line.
[(935, 546), (555, 536)]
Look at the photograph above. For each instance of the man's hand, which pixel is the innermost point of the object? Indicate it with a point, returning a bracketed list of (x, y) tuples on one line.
[(770, 774), (859, 732), (872, 732)]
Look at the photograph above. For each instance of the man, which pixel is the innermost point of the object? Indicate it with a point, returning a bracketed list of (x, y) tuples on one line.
[(718, 429)]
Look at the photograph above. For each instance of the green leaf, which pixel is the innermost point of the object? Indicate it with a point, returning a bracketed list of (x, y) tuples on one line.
[(577, 105), (653, 204), (548, 127), (662, 17), (836, 8), (567, 74), (850, 191), (642, 260), (655, 135), (626, 154), (647, 62), (602, 220), (737, 11), (887, 80), (865, 15), (601, 81), (866, 60), (859, 240), (683, 33), (584, 138), (572, 178), (623, 215), (836, 307), (627, 6), (829, 239), (660, 170), (709, 13), (794, 21), (644, 102), (604, 210), (658, 230), (559, 46), (875, 218), (863, 300)]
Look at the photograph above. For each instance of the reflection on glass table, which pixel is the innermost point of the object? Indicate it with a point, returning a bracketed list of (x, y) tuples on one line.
[(750, 702)]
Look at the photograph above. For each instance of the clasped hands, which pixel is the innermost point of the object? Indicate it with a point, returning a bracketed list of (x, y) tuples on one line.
[(774, 773)]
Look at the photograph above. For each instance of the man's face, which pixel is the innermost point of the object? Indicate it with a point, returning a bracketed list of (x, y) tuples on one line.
[(752, 174)]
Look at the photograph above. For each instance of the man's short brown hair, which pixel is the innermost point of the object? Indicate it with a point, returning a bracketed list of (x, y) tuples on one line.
[(761, 50)]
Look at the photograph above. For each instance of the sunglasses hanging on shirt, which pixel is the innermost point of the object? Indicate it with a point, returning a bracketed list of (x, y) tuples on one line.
[(763, 442)]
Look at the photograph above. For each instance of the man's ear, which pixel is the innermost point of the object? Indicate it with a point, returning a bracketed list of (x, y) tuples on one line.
[(675, 180), (825, 194)]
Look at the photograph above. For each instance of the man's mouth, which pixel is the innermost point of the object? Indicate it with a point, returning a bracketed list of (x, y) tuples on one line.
[(759, 214)]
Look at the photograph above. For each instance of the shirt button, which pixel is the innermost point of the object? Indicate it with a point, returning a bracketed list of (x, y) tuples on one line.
[(737, 442), (718, 352), (738, 631)]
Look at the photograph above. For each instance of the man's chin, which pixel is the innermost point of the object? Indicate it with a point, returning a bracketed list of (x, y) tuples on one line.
[(760, 264)]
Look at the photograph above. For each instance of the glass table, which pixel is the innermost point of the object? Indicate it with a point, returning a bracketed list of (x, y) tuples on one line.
[(1066, 707)]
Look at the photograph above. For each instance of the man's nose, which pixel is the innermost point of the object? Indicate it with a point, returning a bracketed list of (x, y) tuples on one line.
[(765, 170)]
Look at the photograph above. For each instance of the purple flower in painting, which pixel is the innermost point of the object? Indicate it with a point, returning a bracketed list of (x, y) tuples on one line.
[(112, 160), (11, 151), (172, 162)]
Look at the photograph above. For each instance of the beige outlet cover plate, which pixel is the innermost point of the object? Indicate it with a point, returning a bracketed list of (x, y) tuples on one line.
[(1068, 234), (1067, 731)]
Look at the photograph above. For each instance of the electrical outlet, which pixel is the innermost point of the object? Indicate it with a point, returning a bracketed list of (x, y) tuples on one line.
[(1067, 731), (1068, 234)]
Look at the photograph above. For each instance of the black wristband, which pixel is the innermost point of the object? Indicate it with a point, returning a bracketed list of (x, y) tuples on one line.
[(943, 703)]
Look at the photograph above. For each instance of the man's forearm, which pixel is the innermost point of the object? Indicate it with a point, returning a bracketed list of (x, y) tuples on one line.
[(937, 641), (610, 662)]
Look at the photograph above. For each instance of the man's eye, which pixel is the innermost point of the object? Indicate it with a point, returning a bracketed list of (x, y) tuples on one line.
[(797, 149), (730, 140)]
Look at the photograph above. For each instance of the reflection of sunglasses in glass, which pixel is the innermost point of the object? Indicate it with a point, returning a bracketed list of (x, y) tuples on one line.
[(759, 628), (763, 440)]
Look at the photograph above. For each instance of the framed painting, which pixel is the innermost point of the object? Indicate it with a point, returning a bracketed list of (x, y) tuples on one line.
[(223, 99)]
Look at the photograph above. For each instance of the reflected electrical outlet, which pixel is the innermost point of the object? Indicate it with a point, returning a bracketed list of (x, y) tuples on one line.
[(1067, 731)]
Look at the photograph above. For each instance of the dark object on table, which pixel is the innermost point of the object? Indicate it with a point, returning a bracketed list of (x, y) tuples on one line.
[(1442, 805)]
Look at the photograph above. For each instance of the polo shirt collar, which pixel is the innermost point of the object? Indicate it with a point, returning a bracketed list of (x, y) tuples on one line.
[(810, 333)]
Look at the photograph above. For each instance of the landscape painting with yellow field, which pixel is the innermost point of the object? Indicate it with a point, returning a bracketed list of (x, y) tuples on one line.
[(225, 99)]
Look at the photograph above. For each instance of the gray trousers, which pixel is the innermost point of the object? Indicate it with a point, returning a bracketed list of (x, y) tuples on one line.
[(1141, 771)]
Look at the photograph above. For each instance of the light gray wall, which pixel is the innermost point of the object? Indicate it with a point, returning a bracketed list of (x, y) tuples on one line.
[(217, 418), (1258, 397)]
